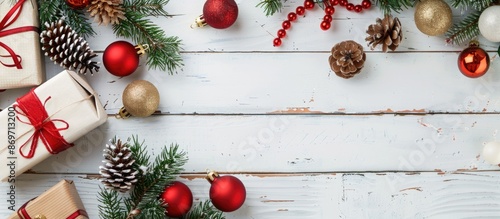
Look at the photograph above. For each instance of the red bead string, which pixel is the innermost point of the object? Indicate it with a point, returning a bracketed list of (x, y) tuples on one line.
[(327, 19)]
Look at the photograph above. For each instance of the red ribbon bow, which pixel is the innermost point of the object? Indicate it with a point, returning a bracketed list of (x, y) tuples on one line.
[(10, 18), (30, 107), (22, 213)]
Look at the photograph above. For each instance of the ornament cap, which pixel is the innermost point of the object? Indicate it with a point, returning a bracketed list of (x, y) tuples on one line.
[(474, 43), (211, 176), (123, 114), (141, 49), (199, 22)]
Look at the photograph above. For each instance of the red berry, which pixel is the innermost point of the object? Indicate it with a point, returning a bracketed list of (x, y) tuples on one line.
[(329, 10), (343, 2), (281, 33), (309, 4), (358, 8), (328, 18), (300, 10), (325, 25), (292, 16), (286, 25), (277, 42), (334, 2), (350, 7), (366, 4)]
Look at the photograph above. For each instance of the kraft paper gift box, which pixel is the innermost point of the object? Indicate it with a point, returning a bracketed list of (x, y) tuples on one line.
[(20, 42), (59, 202), (46, 121)]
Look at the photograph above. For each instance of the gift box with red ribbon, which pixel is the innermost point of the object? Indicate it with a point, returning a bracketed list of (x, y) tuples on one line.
[(20, 55), (61, 201), (46, 121)]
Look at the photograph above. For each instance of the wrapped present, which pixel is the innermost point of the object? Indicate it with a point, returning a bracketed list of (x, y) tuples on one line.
[(61, 201), (20, 55), (45, 121)]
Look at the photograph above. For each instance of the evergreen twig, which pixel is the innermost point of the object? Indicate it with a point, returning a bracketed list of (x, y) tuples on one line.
[(270, 6), (52, 10), (479, 5), (204, 210), (388, 6), (464, 31), (149, 7), (111, 204)]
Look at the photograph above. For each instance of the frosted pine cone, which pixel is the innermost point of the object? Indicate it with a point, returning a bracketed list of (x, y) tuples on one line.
[(118, 172)]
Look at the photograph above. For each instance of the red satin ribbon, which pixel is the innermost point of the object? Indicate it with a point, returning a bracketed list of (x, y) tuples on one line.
[(23, 214), (9, 19), (45, 129)]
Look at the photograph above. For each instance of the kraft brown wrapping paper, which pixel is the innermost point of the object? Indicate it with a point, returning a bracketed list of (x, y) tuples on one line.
[(26, 45), (58, 202)]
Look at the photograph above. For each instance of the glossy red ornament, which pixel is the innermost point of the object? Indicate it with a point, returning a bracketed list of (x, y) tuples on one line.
[(473, 61), (227, 193), (286, 25), (358, 8), (334, 2), (329, 10), (349, 7), (366, 4), (220, 14), (325, 25), (328, 18), (343, 2), (178, 199), (120, 58), (78, 4), (300, 10), (281, 33), (292, 16), (276, 42), (308, 4)]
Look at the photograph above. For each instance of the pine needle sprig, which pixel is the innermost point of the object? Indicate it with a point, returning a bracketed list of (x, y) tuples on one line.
[(48, 11), (204, 210), (270, 6), (148, 7), (388, 6), (164, 52), (53, 10), (474, 4), (111, 204), (465, 30)]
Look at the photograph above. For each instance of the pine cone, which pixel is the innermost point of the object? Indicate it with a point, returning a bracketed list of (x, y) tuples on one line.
[(347, 58), (63, 46), (107, 11), (117, 172), (387, 32)]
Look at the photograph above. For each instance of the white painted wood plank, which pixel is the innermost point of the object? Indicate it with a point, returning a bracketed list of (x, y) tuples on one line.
[(329, 195), (298, 143), (253, 83), (253, 31)]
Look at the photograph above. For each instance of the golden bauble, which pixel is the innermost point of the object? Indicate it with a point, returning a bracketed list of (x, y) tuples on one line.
[(141, 98), (433, 17)]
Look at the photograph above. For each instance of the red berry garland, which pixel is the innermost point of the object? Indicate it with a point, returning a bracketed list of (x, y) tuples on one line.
[(327, 19)]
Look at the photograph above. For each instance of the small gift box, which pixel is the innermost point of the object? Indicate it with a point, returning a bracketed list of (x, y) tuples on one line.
[(20, 56), (61, 201), (45, 121)]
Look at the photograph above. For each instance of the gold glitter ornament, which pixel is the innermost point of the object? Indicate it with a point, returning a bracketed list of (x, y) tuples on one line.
[(433, 17), (140, 99)]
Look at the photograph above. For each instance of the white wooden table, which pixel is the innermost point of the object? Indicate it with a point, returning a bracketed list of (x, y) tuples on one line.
[(400, 140)]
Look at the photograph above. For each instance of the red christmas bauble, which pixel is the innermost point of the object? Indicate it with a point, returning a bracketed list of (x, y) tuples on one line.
[(220, 14), (120, 58), (178, 198), (78, 4), (473, 62), (227, 193)]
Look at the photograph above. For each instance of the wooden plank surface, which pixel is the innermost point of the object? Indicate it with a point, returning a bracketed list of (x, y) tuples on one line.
[(400, 140)]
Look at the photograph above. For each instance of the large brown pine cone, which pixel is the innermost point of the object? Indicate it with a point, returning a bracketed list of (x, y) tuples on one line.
[(387, 32), (347, 58), (107, 11)]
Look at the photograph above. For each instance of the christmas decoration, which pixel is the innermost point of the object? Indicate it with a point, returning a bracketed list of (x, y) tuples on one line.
[(107, 11), (177, 199), (50, 117), (473, 61), (219, 14), (226, 192), (433, 17), (270, 7), (64, 47), (144, 199), (20, 66), (347, 58), (387, 32), (117, 171), (60, 201), (78, 4), (489, 23), (129, 19), (140, 98), (491, 152), (121, 58)]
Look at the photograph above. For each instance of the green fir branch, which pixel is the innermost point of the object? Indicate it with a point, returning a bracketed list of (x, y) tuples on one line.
[(388, 6), (479, 5), (270, 6), (53, 10), (464, 31), (147, 7), (164, 52), (48, 10), (110, 204), (204, 210)]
